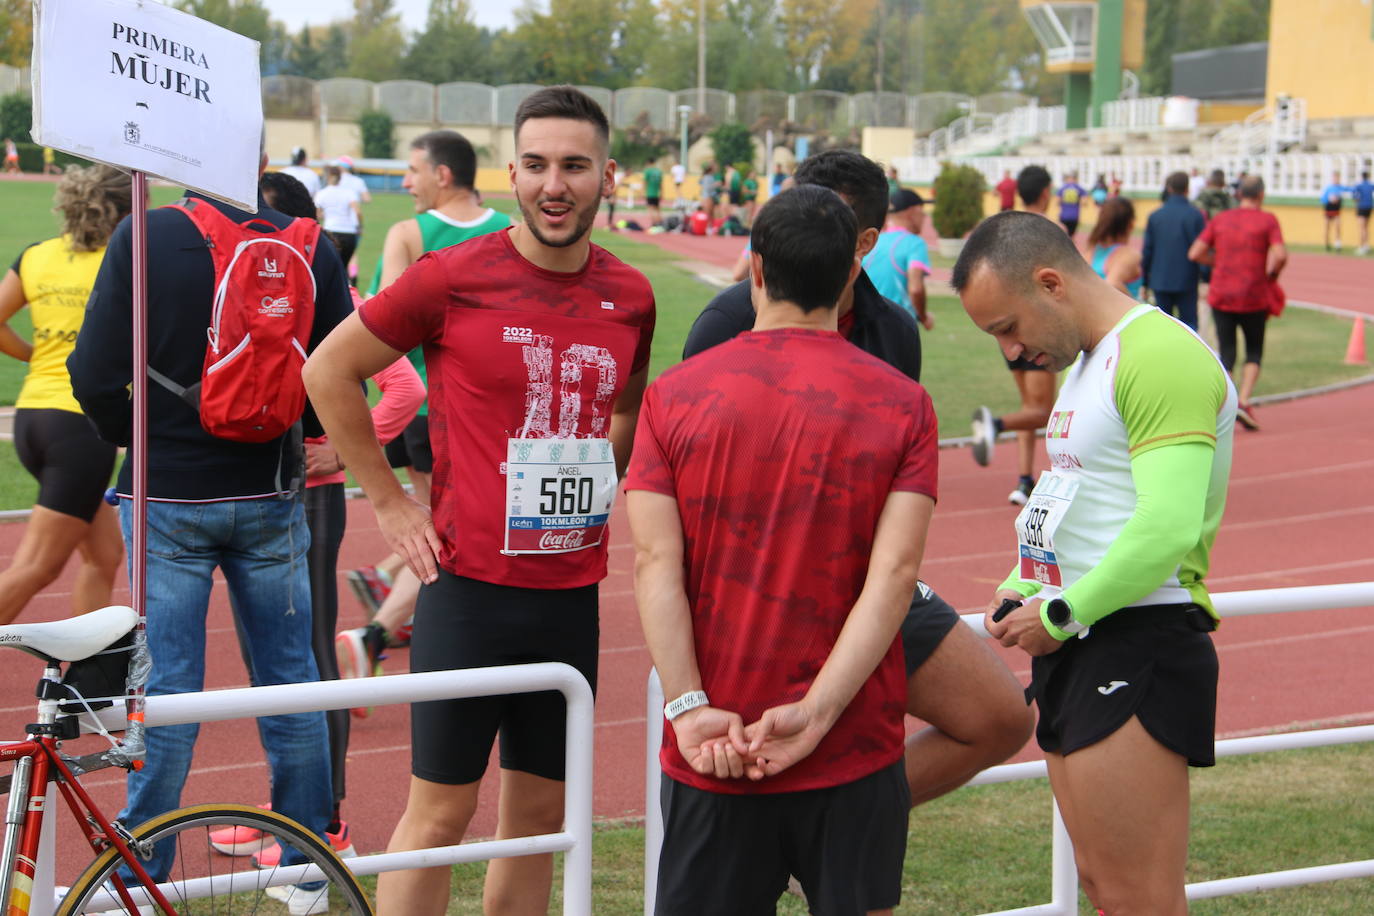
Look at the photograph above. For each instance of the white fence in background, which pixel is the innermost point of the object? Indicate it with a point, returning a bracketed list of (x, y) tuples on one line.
[(1136, 114), (575, 840), (974, 134), (1300, 175), (1064, 874)]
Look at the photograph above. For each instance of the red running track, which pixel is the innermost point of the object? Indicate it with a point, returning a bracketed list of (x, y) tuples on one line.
[(1301, 511)]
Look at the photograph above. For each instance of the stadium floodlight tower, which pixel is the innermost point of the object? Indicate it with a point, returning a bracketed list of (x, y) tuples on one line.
[(1091, 41)]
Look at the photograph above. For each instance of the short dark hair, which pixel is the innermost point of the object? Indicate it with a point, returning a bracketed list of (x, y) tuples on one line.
[(563, 102), (857, 177), (1176, 183), (1014, 244), (450, 148), (1217, 178), (286, 194), (1251, 188), (1114, 219), (805, 237), (298, 155), (1032, 182)]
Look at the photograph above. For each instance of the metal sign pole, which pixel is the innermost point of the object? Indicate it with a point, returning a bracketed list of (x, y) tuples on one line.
[(138, 547)]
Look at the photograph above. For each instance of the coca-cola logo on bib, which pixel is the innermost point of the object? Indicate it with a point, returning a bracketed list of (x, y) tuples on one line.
[(562, 540)]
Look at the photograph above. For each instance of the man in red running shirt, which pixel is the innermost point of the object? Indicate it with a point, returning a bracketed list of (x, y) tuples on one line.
[(780, 492), (536, 344), (1245, 249)]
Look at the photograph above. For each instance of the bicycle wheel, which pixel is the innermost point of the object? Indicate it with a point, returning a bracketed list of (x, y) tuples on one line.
[(204, 881)]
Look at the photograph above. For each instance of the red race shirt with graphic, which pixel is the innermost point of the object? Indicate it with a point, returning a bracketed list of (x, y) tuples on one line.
[(781, 448), (506, 344), (1240, 239)]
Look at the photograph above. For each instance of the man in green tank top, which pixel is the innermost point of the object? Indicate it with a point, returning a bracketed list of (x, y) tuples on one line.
[(653, 190)]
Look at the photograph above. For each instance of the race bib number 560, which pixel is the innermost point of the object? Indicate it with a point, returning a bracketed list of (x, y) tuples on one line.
[(559, 494)]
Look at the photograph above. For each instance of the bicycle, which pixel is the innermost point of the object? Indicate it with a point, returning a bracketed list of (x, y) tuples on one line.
[(117, 882)]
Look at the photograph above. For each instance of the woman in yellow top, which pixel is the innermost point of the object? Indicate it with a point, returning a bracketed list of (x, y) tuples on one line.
[(55, 442)]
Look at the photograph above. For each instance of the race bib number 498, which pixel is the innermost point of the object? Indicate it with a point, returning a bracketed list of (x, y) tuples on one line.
[(559, 494)]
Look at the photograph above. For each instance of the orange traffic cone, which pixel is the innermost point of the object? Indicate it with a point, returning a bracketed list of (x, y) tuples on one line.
[(1354, 351)]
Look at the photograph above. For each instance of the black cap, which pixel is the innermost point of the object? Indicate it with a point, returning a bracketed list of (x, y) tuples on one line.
[(904, 199)]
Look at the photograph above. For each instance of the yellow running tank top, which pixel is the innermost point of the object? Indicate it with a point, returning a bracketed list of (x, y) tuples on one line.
[(57, 282)]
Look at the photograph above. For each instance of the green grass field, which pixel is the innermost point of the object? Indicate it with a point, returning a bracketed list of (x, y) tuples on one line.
[(988, 847)]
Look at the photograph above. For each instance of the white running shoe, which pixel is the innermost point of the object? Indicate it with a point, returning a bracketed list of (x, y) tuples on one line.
[(1021, 495), (299, 901), (984, 436)]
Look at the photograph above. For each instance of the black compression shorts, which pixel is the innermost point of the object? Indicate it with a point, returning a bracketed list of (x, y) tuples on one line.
[(411, 449), (71, 463), (464, 623), (1156, 663), (926, 624), (732, 853)]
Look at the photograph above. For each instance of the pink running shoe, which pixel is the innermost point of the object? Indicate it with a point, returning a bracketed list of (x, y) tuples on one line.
[(270, 856), (238, 840)]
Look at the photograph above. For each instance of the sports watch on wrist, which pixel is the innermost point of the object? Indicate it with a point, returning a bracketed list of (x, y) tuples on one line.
[(688, 701), (1059, 614)]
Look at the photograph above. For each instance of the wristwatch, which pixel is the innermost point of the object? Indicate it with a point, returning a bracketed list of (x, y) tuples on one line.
[(1057, 611), (689, 700)]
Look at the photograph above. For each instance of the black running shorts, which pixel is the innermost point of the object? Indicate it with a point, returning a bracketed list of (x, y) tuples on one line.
[(1156, 663), (732, 853), (71, 463), (1362, 212), (411, 449), (927, 622), (464, 623)]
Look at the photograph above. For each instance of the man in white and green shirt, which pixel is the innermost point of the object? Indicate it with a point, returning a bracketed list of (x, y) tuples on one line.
[(1113, 548)]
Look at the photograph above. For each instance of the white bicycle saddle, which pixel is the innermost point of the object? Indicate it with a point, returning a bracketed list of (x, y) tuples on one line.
[(73, 639)]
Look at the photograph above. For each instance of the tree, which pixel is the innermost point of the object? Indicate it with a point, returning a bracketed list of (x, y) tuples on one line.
[(731, 143), (304, 58), (450, 48), (379, 134), (1237, 22), (16, 117), (16, 32), (249, 18), (376, 44)]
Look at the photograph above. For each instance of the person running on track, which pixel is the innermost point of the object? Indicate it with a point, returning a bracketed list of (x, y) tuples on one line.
[(1113, 548), (975, 713), (554, 333), (55, 442), (1033, 382)]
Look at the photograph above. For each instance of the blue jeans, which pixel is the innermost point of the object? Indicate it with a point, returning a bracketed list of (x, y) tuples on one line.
[(260, 544), (1183, 304)]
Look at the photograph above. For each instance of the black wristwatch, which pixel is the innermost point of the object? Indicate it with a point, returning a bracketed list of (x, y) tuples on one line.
[(1059, 614)]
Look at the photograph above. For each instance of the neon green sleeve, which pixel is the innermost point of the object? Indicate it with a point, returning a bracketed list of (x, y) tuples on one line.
[(1015, 583), (1169, 387), (1171, 496)]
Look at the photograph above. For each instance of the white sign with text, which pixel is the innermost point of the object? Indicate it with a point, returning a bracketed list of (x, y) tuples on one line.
[(142, 86)]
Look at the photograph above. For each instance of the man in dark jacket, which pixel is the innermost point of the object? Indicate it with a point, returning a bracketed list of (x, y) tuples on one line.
[(1164, 264), (975, 709), (212, 503)]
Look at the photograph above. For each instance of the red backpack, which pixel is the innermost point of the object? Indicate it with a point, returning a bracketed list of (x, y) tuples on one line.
[(250, 388)]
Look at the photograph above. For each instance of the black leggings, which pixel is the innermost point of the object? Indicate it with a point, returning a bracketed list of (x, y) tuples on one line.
[(326, 516), (1251, 325)]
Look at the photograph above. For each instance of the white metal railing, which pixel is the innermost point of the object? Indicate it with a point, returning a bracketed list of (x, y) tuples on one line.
[(1265, 131), (575, 840), (1020, 124), (1133, 113), (1064, 874), (1300, 175)]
